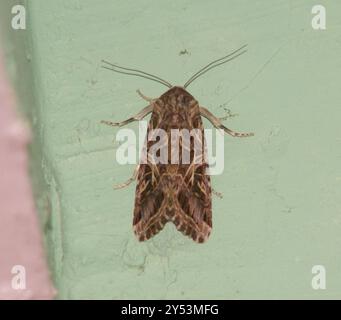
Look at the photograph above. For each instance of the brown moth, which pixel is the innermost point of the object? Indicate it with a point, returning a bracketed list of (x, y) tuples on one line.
[(180, 193)]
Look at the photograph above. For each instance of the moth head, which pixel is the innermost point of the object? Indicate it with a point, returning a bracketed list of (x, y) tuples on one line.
[(179, 96)]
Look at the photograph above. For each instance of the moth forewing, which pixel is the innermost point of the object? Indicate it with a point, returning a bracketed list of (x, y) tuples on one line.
[(180, 192)]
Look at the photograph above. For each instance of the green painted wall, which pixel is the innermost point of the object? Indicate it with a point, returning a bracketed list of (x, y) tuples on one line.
[(281, 211)]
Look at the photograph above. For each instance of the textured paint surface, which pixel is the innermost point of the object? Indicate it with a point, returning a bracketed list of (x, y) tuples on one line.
[(281, 211)]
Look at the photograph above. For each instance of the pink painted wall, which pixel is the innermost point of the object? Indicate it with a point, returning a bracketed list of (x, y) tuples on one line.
[(23, 268)]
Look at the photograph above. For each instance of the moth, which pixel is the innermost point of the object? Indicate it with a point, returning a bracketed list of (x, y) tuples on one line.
[(180, 193)]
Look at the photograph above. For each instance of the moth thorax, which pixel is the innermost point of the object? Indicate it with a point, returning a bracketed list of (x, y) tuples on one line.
[(172, 169)]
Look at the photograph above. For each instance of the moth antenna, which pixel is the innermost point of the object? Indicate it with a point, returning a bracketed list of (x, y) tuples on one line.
[(215, 63), (136, 72), (137, 75)]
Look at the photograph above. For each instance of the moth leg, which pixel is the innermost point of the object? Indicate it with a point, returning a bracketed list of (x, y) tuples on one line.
[(217, 123), (136, 117), (217, 193), (229, 115), (224, 118), (129, 181), (150, 100)]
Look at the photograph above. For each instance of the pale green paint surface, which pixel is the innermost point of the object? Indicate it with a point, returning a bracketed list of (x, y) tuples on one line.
[(281, 211)]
